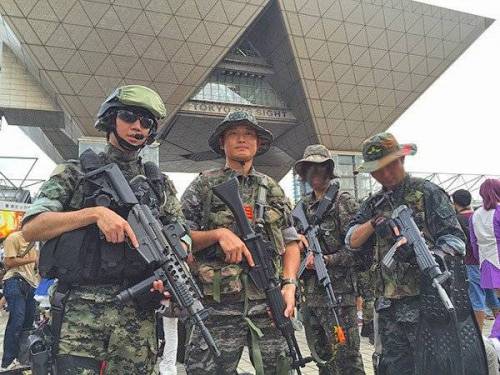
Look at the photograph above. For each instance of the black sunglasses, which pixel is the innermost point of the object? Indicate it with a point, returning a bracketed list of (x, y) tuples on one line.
[(131, 117)]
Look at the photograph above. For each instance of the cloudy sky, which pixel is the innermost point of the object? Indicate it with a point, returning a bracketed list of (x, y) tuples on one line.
[(455, 123)]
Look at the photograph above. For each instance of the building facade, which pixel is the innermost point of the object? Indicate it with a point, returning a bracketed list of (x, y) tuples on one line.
[(313, 71)]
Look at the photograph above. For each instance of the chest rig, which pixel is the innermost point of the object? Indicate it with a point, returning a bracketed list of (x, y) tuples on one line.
[(83, 256), (405, 279), (216, 276)]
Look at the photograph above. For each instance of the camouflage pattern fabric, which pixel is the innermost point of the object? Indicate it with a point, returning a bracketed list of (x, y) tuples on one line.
[(381, 149), (365, 290), (224, 284), (435, 217), (339, 260), (231, 333), (241, 117), (340, 359), (96, 326), (204, 211), (341, 265), (433, 214), (314, 154), (62, 191), (398, 326)]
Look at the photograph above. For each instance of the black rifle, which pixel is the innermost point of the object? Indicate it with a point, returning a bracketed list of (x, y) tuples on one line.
[(159, 245), (311, 231), (263, 273), (402, 220)]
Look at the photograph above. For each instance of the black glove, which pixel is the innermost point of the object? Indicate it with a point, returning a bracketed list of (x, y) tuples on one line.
[(405, 254), (383, 226)]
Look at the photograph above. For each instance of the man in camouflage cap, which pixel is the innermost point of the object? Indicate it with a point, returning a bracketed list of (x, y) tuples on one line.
[(317, 169), (86, 247), (238, 310), (413, 325)]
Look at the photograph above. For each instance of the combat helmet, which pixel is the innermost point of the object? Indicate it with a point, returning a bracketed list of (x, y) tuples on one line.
[(136, 98)]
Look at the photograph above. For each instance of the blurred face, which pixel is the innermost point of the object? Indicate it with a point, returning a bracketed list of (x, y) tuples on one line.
[(392, 174), (132, 127), (318, 175), (240, 142)]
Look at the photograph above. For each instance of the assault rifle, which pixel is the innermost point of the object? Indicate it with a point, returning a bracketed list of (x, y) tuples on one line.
[(263, 274), (159, 245), (311, 231), (406, 230)]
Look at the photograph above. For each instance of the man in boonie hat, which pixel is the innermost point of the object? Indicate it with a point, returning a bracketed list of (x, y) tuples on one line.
[(239, 314), (317, 169), (381, 150), (411, 319)]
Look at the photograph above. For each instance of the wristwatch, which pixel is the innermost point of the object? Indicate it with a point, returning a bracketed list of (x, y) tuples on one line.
[(288, 280)]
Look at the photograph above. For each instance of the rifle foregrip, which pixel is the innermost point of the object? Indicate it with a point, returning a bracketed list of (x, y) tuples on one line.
[(131, 293)]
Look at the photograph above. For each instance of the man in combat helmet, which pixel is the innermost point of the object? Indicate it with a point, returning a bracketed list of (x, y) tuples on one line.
[(91, 248), (238, 310)]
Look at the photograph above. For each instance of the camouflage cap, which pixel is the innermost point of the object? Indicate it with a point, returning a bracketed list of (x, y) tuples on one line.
[(232, 118), (381, 149), (314, 154)]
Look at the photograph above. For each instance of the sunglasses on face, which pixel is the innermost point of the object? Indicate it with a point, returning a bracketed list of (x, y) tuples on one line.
[(131, 117)]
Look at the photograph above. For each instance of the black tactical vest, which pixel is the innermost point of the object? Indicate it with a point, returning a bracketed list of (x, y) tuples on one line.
[(83, 256)]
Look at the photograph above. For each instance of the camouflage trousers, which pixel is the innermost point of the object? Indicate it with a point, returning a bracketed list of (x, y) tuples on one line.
[(366, 291), (232, 332), (100, 334), (340, 359), (397, 327)]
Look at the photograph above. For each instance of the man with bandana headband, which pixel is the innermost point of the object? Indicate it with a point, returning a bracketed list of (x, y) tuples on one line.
[(317, 169), (97, 334)]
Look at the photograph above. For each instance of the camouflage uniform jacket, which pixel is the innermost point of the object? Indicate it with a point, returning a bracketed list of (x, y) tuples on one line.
[(340, 261), (204, 211), (63, 191), (433, 214)]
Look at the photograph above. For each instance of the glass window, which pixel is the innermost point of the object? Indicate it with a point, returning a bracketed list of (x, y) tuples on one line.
[(224, 86)]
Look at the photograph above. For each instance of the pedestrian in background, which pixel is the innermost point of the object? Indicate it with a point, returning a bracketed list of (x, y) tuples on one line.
[(485, 239)]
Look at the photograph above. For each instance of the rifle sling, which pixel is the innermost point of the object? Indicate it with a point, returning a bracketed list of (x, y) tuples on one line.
[(57, 309), (325, 202)]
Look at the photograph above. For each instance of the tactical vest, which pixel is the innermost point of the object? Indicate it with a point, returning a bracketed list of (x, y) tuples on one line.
[(215, 275), (83, 256), (405, 279), (331, 241)]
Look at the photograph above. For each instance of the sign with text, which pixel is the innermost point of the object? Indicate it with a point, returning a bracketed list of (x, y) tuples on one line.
[(280, 114)]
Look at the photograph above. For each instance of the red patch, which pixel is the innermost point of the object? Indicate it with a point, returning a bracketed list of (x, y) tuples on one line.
[(248, 211)]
